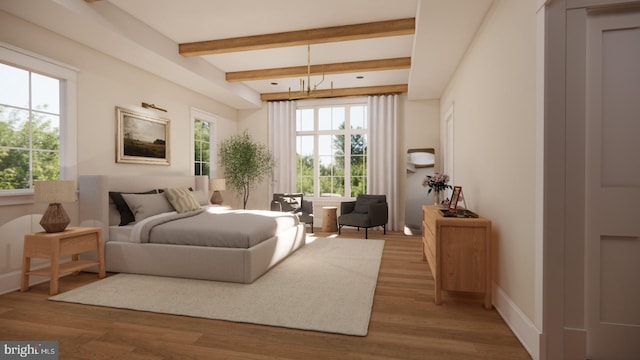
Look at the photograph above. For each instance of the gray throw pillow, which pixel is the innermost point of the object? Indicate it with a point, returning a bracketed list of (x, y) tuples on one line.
[(144, 206)]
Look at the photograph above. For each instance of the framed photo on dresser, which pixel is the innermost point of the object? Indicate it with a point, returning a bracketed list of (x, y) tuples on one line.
[(455, 196)]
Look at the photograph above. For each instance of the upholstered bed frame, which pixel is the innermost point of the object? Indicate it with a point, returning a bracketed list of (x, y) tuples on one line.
[(198, 262)]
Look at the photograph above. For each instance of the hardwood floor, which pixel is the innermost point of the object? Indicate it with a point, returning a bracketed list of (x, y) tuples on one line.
[(405, 323)]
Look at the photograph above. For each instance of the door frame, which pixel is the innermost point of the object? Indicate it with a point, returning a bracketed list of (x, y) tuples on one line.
[(564, 334)]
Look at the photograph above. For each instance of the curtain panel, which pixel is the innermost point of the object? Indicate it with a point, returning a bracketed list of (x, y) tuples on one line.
[(282, 143), (383, 155)]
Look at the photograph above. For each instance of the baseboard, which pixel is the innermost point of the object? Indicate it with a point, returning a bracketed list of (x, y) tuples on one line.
[(575, 344), (519, 323), (10, 281)]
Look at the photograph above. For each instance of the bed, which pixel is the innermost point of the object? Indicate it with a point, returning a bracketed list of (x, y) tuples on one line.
[(241, 262)]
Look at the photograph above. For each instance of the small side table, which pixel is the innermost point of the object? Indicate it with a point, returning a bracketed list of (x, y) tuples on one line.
[(329, 218), (53, 246)]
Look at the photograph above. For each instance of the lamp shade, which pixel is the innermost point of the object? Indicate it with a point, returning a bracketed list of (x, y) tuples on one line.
[(56, 191), (217, 184)]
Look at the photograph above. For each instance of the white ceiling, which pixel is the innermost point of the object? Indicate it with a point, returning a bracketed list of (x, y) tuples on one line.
[(146, 33)]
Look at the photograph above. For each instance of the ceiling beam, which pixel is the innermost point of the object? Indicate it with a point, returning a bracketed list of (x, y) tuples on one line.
[(300, 37), (357, 91), (336, 68)]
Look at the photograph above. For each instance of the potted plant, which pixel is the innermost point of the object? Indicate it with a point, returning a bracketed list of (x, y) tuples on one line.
[(245, 163)]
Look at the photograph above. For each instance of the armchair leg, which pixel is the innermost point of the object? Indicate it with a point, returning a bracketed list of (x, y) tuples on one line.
[(339, 228), (366, 233), (384, 227)]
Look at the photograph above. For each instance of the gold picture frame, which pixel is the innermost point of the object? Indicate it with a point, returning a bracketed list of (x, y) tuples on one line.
[(142, 138)]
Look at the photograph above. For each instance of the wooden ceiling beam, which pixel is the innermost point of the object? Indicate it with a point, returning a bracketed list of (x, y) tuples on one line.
[(300, 37), (336, 68), (357, 91)]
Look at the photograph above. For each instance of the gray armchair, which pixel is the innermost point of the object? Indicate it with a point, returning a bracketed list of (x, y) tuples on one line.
[(294, 203), (367, 211)]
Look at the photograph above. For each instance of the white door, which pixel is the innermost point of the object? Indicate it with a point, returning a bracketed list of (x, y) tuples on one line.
[(613, 184)]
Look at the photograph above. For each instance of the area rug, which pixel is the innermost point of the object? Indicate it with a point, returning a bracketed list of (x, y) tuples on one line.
[(327, 286)]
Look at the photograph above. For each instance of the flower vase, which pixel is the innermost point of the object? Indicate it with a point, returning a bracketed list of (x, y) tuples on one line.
[(437, 199)]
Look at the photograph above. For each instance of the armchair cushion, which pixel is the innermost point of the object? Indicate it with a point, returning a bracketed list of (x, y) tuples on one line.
[(289, 202), (363, 202)]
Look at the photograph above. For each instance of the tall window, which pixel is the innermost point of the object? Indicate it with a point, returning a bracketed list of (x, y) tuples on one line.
[(331, 150), (37, 127), (204, 141), (202, 146)]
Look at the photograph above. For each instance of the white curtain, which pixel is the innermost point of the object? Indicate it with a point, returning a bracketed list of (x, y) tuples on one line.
[(383, 156), (282, 143)]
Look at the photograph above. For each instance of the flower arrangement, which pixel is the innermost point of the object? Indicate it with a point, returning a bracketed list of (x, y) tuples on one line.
[(437, 182)]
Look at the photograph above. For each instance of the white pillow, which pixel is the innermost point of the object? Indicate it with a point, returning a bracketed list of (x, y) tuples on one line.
[(143, 206), (182, 199)]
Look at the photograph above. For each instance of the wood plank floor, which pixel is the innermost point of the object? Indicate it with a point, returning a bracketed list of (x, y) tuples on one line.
[(405, 323)]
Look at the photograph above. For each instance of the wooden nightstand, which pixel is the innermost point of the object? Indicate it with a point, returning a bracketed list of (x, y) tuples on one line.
[(53, 246)]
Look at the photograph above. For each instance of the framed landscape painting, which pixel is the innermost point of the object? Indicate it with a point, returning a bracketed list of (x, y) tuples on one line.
[(141, 138)]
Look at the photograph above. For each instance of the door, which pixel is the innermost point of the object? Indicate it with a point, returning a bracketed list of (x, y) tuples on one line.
[(612, 199)]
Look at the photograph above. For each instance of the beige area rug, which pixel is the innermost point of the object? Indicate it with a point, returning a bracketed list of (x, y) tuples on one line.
[(328, 286)]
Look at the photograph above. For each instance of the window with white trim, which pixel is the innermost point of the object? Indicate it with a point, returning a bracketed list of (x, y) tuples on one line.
[(204, 139), (331, 149), (36, 128)]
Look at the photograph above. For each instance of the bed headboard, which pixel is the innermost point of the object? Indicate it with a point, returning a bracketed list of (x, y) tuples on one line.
[(97, 209)]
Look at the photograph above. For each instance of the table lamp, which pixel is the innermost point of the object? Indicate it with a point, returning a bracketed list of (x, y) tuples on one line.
[(217, 185), (55, 219)]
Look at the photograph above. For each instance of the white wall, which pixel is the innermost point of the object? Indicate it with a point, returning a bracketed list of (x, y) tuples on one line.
[(420, 128), (102, 84), (494, 97)]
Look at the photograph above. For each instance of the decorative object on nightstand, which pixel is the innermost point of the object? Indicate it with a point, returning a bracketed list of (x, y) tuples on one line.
[(217, 185), (55, 218)]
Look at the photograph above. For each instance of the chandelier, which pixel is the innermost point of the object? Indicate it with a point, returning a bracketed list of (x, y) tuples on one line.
[(305, 86)]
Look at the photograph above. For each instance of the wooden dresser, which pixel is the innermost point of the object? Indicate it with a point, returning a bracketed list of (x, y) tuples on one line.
[(458, 251)]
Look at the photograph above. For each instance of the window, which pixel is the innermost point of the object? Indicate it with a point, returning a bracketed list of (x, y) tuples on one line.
[(37, 132), (331, 149), (202, 145), (204, 140)]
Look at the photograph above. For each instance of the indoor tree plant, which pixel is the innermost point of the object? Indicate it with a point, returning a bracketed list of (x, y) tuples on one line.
[(245, 163)]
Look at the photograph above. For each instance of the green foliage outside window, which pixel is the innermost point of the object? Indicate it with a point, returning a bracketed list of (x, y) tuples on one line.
[(332, 173), (20, 163)]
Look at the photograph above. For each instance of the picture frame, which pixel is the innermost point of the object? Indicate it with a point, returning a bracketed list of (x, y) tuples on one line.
[(455, 197), (141, 138)]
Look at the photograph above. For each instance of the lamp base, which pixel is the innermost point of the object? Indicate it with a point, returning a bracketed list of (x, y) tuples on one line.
[(55, 219), (216, 198)]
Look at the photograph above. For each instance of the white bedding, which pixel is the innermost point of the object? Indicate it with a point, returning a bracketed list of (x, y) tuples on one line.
[(131, 232)]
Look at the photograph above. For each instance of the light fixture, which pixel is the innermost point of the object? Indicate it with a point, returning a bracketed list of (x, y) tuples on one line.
[(152, 106), (217, 185), (305, 86), (55, 219)]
